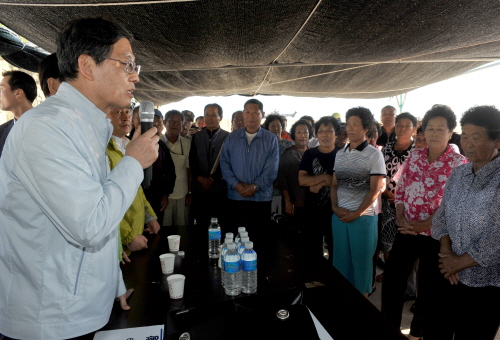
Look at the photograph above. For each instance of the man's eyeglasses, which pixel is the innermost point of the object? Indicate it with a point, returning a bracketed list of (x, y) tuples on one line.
[(131, 65)]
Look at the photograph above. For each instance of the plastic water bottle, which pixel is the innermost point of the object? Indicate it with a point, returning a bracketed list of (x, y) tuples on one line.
[(238, 237), (221, 259), (214, 239), (249, 269), (223, 247), (242, 235), (241, 247), (232, 285)]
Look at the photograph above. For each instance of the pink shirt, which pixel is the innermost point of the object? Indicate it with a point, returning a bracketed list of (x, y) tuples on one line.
[(421, 185)]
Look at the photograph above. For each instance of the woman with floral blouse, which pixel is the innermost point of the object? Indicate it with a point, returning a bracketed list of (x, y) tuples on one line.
[(468, 225), (418, 195)]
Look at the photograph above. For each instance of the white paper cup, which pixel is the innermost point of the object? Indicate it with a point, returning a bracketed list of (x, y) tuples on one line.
[(176, 286), (167, 263), (174, 242)]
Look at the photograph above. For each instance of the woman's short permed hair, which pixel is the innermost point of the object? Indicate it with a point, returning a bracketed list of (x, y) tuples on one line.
[(485, 116), (272, 118), (301, 122), (363, 113), (443, 111)]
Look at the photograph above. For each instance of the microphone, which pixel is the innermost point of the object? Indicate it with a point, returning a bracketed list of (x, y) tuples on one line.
[(147, 115)]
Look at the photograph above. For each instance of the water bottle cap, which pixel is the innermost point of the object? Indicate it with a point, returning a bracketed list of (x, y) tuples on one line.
[(229, 235), (213, 219), (231, 246), (240, 229), (244, 239), (228, 240), (249, 245), (244, 234)]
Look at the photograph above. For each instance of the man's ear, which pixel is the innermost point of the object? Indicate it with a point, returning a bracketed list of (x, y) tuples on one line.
[(19, 94), (263, 114), (53, 85), (86, 65)]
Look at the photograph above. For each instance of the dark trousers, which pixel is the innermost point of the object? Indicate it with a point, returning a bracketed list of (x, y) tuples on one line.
[(254, 216), (208, 204), (428, 321), (313, 224), (474, 312)]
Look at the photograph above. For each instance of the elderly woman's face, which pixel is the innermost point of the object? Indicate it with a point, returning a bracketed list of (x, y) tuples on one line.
[(477, 145), (326, 135), (301, 135), (437, 133), (404, 128), (355, 130), (275, 127)]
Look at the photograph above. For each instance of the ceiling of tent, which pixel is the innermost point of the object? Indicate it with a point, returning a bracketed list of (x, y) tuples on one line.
[(329, 48)]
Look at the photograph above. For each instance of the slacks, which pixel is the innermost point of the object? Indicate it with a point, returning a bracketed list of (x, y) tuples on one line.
[(353, 247), (428, 320)]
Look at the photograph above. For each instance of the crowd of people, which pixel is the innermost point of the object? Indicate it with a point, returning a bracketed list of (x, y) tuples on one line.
[(411, 193)]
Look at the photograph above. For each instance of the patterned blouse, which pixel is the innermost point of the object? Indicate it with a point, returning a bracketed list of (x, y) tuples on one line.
[(470, 215), (394, 159), (421, 185)]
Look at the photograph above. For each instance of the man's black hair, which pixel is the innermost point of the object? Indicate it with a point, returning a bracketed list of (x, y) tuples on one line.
[(254, 101), (328, 120), (92, 36), (174, 113), (23, 81), (219, 108), (48, 68), (234, 114), (363, 113)]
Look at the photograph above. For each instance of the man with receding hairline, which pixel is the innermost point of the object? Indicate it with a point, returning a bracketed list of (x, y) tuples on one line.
[(60, 204)]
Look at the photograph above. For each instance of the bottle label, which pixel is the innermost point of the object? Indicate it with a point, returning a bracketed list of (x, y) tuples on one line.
[(214, 235), (249, 266), (231, 267)]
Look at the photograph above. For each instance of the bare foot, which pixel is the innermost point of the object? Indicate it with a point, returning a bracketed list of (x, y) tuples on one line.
[(123, 299)]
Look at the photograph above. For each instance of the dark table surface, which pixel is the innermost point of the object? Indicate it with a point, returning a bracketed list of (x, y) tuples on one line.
[(282, 263)]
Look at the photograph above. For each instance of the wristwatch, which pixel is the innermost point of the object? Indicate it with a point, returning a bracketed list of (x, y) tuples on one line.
[(256, 188)]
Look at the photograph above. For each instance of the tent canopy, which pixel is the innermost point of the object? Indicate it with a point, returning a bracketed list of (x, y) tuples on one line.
[(329, 48)]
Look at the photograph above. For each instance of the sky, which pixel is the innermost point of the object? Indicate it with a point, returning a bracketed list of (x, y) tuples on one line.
[(481, 87)]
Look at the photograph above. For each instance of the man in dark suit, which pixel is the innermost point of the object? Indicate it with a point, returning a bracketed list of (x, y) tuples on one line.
[(17, 93)]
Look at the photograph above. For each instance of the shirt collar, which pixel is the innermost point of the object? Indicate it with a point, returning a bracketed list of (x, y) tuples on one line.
[(486, 170), (360, 147)]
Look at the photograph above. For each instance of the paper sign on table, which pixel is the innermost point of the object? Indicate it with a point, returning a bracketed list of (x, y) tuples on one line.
[(137, 333)]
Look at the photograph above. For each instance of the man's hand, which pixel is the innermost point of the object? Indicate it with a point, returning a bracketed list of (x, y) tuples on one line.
[(245, 190), (125, 258), (205, 182), (138, 243), (123, 299), (248, 191), (153, 227), (144, 148), (164, 203), (240, 187)]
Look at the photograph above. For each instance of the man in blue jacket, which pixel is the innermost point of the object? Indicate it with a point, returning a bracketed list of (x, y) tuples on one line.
[(249, 164)]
